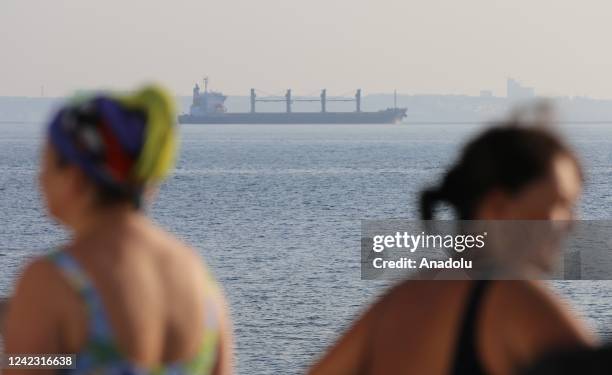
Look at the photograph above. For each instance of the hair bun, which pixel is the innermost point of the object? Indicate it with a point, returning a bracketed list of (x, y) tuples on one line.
[(428, 201), (158, 152)]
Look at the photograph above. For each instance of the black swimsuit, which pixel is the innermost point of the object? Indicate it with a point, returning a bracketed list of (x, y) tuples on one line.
[(467, 359)]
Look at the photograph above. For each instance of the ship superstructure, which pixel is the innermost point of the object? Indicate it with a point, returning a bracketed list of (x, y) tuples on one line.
[(208, 102)]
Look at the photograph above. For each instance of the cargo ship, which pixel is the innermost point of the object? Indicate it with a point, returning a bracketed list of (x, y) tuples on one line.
[(208, 107)]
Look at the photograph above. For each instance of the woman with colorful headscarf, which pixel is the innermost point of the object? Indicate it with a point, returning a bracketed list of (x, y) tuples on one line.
[(123, 294)]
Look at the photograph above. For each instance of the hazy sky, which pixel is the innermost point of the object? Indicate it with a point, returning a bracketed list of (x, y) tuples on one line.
[(430, 46)]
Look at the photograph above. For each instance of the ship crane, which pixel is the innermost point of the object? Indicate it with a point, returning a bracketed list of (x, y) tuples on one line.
[(289, 99)]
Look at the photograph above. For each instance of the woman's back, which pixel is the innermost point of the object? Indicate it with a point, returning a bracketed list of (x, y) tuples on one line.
[(159, 301), (155, 297), (424, 342), (427, 327)]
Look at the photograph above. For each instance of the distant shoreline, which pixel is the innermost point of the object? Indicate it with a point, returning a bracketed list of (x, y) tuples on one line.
[(422, 109), (573, 122), (17, 122)]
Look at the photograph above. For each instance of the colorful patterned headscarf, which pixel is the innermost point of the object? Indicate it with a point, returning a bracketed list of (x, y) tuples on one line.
[(122, 142)]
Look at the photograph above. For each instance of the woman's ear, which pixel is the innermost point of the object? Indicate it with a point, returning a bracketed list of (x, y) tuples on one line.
[(79, 188), (494, 205)]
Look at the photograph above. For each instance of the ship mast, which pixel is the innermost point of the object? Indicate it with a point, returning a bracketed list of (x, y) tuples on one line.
[(394, 99), (206, 84)]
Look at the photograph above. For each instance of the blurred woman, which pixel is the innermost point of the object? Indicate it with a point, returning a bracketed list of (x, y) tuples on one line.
[(475, 327), (123, 294)]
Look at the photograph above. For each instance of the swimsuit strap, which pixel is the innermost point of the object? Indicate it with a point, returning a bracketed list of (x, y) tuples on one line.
[(467, 359), (100, 343)]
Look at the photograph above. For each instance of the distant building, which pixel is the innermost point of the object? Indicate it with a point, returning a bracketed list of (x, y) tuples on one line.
[(514, 90), (486, 94)]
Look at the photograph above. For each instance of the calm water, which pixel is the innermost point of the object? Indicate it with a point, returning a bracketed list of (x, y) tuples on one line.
[(276, 212)]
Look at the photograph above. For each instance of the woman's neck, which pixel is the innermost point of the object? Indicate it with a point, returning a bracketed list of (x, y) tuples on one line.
[(105, 218)]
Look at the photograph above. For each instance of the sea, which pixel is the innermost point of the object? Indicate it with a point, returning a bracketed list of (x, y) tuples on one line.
[(276, 212)]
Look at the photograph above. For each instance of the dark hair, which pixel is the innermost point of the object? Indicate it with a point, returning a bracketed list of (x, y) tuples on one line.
[(507, 156), (108, 195)]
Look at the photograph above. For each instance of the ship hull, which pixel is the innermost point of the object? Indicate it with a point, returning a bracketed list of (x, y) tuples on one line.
[(388, 116)]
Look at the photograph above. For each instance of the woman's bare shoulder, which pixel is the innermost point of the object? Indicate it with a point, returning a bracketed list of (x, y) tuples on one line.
[(40, 301), (40, 279), (535, 316), (424, 291), (168, 246), (180, 258), (531, 298)]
